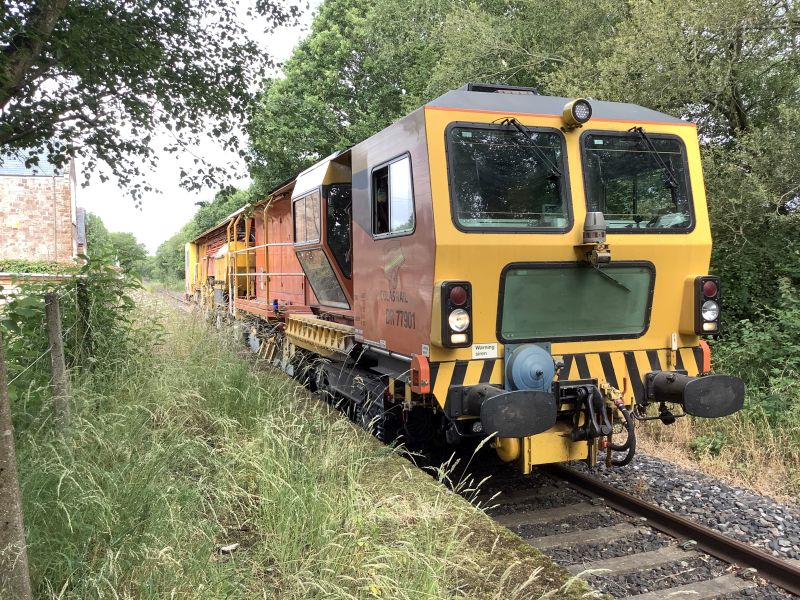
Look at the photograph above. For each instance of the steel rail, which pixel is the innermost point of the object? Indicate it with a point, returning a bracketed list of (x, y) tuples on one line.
[(780, 572)]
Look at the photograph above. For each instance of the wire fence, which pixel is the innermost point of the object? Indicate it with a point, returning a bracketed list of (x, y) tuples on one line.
[(59, 296), (30, 366)]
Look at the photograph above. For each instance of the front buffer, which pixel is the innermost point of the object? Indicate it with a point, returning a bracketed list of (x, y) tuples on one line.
[(514, 414), (537, 419), (709, 396)]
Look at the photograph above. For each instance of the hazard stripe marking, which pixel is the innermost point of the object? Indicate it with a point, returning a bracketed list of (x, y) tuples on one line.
[(679, 361), (643, 364), (698, 358), (486, 371), (567, 366), (459, 371), (443, 381), (474, 372), (594, 364), (497, 373), (623, 378), (621, 369), (583, 367), (687, 357), (652, 356), (608, 369), (636, 379), (434, 371)]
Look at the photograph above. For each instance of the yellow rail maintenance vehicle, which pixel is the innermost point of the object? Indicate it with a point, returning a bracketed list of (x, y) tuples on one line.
[(497, 263)]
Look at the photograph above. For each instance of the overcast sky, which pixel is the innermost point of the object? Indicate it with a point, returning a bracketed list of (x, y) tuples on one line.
[(163, 214)]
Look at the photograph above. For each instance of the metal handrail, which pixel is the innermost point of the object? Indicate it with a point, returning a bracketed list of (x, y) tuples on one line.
[(252, 248), (269, 274)]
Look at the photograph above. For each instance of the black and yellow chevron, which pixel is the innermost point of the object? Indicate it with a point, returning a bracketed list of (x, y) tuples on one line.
[(623, 370)]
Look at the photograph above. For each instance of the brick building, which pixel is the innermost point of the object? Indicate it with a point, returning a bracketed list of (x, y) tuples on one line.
[(39, 218)]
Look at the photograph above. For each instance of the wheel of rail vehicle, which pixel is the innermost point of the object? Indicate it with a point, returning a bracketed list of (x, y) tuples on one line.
[(419, 429), (304, 369), (322, 383), (371, 415)]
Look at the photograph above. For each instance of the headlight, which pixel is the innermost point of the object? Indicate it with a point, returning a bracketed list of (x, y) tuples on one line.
[(582, 111), (458, 320), (576, 113), (710, 310)]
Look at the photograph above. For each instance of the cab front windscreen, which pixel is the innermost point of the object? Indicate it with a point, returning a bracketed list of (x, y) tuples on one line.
[(502, 179), (639, 182)]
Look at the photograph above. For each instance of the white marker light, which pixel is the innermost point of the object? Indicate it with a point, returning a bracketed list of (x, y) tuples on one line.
[(576, 113), (710, 310), (458, 338), (458, 320)]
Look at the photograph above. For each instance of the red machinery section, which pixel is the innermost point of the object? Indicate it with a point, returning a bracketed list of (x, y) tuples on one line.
[(287, 285), (275, 270)]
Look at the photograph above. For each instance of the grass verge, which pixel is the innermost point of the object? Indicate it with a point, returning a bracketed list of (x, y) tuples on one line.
[(187, 448)]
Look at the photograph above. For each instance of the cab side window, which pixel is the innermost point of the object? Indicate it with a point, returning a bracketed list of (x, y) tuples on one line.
[(392, 198), (339, 225), (306, 218)]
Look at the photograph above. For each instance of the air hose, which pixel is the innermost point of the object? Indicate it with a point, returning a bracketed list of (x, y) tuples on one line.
[(630, 443)]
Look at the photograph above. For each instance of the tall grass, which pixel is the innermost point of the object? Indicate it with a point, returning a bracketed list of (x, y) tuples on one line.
[(186, 448), (758, 447)]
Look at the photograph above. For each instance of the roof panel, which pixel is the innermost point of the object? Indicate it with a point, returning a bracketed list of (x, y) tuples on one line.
[(545, 105), (13, 163)]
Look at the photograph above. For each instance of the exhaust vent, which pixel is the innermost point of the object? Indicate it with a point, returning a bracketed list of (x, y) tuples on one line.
[(501, 89)]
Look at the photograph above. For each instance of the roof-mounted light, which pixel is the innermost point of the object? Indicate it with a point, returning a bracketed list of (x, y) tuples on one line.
[(576, 113)]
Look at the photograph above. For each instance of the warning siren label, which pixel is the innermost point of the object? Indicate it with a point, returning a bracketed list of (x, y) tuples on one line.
[(480, 351)]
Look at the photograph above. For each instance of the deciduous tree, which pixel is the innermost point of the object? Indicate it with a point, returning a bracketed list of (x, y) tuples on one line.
[(97, 78), (129, 252)]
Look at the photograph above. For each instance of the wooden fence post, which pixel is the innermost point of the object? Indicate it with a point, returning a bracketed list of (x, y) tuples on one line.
[(15, 579), (59, 371)]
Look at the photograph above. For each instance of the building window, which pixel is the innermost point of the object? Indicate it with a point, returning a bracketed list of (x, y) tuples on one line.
[(393, 198)]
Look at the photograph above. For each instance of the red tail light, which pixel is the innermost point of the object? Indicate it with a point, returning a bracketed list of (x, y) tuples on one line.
[(710, 288), (458, 295)]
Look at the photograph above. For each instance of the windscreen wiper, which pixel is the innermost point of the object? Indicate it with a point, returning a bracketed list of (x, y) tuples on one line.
[(611, 278), (671, 181), (554, 170)]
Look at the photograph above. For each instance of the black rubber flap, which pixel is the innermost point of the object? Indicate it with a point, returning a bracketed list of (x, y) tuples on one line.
[(518, 414), (713, 396)]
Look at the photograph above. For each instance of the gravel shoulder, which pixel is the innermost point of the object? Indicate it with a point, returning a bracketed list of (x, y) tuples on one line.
[(735, 511)]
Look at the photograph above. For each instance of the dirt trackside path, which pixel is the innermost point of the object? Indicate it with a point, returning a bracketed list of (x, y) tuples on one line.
[(323, 510)]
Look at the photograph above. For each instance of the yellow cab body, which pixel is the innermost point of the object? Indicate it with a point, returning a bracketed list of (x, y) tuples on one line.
[(481, 255)]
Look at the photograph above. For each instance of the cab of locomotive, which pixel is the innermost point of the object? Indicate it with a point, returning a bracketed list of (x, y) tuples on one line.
[(571, 272)]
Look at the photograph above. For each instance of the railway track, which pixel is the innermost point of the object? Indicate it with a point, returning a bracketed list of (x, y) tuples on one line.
[(177, 297), (628, 548)]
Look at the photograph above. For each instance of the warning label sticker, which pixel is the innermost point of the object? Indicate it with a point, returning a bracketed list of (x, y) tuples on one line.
[(480, 351)]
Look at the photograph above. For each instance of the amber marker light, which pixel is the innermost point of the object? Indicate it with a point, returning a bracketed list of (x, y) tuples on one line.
[(576, 113)]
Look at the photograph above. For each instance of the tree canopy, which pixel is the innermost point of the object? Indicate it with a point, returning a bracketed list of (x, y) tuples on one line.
[(731, 66), (130, 254), (98, 78), (123, 247)]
